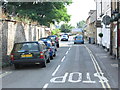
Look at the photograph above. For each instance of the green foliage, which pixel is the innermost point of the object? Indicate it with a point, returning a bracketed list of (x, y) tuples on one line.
[(56, 32), (66, 28), (81, 24), (42, 12), (100, 35)]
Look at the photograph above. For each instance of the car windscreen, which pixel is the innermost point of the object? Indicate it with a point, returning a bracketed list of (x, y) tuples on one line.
[(26, 47)]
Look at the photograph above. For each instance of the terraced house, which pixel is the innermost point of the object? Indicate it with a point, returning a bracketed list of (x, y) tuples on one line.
[(115, 28), (108, 23)]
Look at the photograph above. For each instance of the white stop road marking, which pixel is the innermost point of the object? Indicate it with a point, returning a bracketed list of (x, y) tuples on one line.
[(62, 79), (70, 79), (54, 80)]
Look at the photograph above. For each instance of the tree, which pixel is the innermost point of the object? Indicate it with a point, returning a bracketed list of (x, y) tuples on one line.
[(42, 12), (56, 32), (66, 28), (81, 24)]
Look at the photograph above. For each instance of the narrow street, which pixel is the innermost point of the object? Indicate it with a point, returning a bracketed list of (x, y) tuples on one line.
[(75, 66)]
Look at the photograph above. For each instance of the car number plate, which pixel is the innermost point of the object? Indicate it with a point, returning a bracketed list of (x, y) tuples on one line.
[(27, 55)]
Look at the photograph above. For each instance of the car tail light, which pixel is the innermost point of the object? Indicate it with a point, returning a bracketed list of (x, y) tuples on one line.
[(12, 56), (53, 43), (57, 39), (50, 49), (75, 39), (41, 55)]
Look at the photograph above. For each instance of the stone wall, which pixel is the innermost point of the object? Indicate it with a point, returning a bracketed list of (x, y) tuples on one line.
[(0, 43), (4, 41), (13, 32)]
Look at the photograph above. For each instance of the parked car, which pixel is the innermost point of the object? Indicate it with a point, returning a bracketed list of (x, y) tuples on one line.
[(45, 39), (55, 38), (51, 48), (29, 53), (64, 38), (67, 34), (79, 39)]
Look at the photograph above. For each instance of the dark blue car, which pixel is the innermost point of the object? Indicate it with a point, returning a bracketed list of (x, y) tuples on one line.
[(51, 47)]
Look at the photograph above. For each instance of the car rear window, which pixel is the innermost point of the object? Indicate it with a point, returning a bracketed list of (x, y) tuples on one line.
[(23, 47), (79, 37), (48, 44), (64, 36)]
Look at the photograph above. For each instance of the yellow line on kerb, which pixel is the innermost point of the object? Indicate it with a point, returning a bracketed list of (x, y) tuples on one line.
[(98, 70)]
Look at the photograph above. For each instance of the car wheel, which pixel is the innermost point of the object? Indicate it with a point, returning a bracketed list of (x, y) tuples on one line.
[(17, 66), (51, 57), (48, 60), (56, 49), (74, 43), (44, 64), (57, 45), (54, 54)]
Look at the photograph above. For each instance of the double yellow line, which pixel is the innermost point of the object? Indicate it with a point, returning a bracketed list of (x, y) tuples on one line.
[(99, 73)]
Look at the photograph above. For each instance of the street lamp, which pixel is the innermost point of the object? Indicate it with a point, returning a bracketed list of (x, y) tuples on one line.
[(115, 15)]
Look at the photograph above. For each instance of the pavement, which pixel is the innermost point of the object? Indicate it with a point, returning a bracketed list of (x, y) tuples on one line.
[(81, 66)]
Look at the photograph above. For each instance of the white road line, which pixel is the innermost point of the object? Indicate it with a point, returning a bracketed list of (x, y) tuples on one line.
[(4, 74), (45, 86), (69, 48), (63, 59), (53, 74), (66, 53)]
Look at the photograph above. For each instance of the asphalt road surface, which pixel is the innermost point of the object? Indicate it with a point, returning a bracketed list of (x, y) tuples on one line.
[(75, 66)]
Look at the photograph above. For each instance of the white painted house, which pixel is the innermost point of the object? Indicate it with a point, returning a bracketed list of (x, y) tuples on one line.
[(103, 10)]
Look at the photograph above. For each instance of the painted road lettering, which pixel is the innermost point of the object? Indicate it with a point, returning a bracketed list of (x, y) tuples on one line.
[(104, 79), (89, 79), (70, 79), (62, 79)]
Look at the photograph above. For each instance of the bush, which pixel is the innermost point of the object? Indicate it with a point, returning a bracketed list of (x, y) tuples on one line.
[(100, 35)]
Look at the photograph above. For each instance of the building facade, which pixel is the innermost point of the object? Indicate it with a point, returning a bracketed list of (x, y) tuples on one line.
[(91, 28), (103, 14), (115, 28), (108, 13)]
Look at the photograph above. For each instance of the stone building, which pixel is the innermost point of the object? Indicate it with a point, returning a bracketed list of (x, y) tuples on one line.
[(91, 28), (115, 28)]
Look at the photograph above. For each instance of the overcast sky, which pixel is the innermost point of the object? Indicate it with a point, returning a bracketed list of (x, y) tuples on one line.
[(79, 10)]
